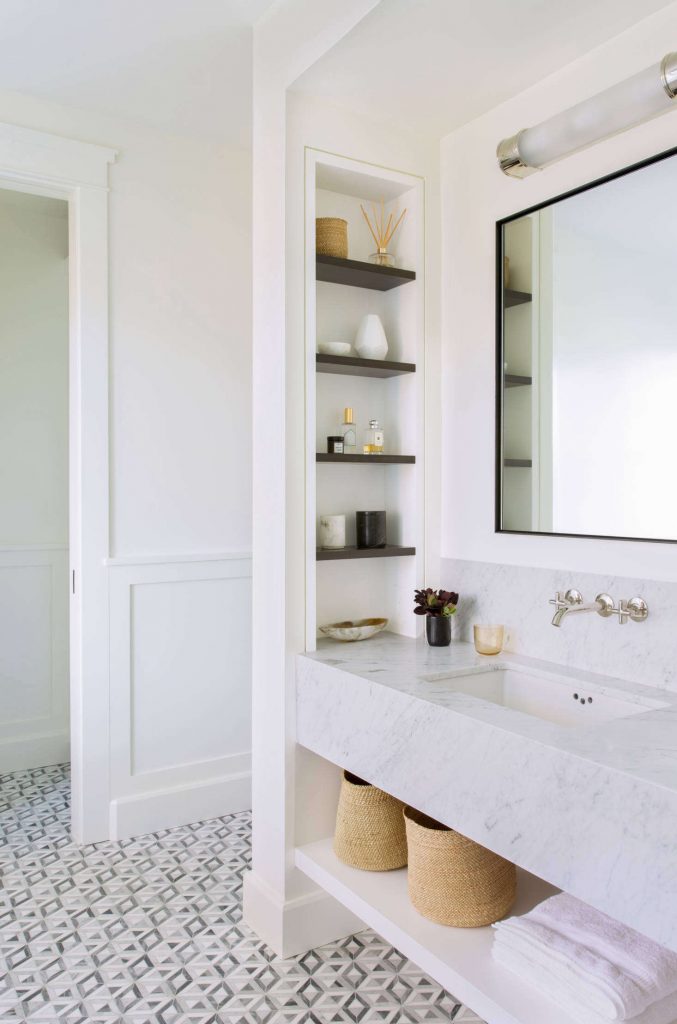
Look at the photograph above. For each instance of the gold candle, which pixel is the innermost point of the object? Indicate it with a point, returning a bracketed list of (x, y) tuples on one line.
[(488, 639)]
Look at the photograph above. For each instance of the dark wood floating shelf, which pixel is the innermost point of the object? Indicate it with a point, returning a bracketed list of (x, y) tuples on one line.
[(372, 460), (513, 298), (356, 367), (517, 463), (390, 551), (361, 275), (514, 380)]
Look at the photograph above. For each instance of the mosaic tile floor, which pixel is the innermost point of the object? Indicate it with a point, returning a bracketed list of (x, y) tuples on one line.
[(150, 930)]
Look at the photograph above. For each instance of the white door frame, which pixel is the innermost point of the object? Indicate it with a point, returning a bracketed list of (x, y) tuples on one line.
[(43, 164)]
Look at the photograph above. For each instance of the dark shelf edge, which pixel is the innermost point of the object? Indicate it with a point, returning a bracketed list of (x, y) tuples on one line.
[(514, 298), (517, 463), (516, 380), (341, 554), (353, 365), (364, 460), (357, 274)]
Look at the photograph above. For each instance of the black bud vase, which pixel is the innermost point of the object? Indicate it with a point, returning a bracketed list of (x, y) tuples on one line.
[(438, 630)]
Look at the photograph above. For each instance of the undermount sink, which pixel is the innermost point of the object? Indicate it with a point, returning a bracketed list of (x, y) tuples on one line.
[(555, 698)]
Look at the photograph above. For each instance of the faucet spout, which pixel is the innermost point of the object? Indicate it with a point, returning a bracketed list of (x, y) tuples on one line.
[(572, 602), (561, 613)]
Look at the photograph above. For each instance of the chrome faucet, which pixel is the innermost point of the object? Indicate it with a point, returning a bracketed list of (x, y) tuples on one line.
[(566, 604)]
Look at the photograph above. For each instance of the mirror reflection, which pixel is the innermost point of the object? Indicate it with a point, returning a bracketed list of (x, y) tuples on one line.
[(588, 362)]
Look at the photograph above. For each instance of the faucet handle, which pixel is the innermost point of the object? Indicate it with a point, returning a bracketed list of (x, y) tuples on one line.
[(637, 609), (572, 597), (623, 612)]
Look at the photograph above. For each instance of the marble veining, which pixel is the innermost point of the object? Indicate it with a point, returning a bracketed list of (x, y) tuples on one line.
[(591, 809), (518, 596)]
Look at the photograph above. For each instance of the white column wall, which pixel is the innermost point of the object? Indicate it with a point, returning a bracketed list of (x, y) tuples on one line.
[(289, 784)]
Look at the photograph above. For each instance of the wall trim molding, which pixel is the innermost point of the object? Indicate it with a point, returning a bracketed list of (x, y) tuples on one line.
[(159, 809), (156, 787), (293, 927), (42, 158), (25, 752), (123, 561), (22, 548)]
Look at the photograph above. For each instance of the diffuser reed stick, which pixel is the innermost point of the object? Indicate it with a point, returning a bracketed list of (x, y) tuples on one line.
[(382, 232)]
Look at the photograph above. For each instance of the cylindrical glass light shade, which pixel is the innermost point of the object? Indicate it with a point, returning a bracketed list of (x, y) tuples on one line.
[(637, 99)]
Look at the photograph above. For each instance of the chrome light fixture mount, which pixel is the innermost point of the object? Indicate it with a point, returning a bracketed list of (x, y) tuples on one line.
[(509, 159), (669, 74), (637, 99)]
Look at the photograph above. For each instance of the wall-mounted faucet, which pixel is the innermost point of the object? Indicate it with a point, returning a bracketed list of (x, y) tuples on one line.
[(566, 604)]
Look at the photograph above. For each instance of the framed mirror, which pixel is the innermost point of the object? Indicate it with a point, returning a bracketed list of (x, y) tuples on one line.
[(586, 435)]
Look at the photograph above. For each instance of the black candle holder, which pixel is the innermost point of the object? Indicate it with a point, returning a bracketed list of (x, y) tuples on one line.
[(370, 529)]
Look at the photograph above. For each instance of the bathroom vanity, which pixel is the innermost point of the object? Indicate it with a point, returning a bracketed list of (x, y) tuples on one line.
[(571, 775)]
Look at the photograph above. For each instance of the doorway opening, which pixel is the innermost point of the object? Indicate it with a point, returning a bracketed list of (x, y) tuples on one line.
[(34, 481)]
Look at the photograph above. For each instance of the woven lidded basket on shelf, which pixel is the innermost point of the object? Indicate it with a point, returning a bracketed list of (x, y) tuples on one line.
[(453, 880), (370, 832), (331, 237)]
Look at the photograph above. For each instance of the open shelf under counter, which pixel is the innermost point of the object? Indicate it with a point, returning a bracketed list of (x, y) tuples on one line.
[(366, 460), (335, 270), (353, 366), (459, 959), (336, 554)]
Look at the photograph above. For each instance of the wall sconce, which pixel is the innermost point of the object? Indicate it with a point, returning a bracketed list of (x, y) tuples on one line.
[(637, 99)]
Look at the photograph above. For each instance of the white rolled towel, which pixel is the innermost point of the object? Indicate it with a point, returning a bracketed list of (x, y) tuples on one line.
[(601, 965)]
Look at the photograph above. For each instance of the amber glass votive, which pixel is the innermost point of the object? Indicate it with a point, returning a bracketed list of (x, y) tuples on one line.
[(488, 639)]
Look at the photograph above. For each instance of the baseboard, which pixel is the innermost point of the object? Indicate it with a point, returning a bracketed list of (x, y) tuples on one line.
[(298, 925), (181, 805), (37, 751)]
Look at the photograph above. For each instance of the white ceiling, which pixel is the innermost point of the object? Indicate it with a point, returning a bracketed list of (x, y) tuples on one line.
[(182, 66), (432, 65)]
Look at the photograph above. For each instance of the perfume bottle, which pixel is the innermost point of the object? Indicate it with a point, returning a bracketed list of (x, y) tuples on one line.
[(373, 439), (349, 432)]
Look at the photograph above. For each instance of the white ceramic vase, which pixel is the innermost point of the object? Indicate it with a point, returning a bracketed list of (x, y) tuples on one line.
[(370, 340)]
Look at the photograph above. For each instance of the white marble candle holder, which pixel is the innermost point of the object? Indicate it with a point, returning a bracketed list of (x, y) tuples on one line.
[(332, 532)]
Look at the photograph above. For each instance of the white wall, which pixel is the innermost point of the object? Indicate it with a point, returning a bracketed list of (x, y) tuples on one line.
[(474, 195), (180, 365), (33, 481)]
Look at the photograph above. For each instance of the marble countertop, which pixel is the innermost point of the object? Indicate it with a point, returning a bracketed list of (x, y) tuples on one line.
[(590, 808)]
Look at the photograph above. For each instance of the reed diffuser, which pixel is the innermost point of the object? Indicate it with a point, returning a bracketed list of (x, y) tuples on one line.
[(382, 232)]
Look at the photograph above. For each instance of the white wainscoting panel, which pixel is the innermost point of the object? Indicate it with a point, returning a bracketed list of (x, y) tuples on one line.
[(180, 691), (34, 678)]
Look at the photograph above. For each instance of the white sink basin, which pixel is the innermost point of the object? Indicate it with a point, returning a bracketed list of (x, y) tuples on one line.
[(560, 699)]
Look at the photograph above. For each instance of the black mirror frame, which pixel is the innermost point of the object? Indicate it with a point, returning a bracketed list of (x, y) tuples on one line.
[(498, 479)]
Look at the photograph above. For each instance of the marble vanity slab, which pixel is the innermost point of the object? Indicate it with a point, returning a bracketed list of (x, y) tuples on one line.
[(592, 809)]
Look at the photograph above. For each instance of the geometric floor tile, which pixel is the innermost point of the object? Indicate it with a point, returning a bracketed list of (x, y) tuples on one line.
[(150, 931)]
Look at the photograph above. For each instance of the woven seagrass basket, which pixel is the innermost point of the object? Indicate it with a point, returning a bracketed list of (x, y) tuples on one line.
[(370, 831), (453, 880), (331, 237)]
